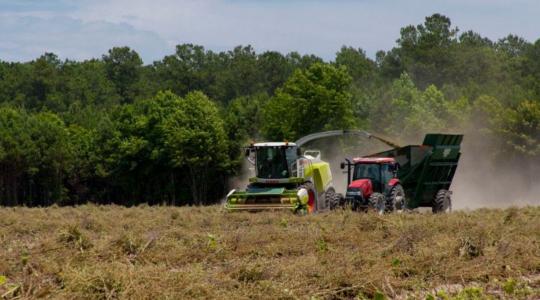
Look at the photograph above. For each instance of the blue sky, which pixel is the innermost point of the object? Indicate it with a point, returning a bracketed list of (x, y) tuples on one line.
[(82, 29)]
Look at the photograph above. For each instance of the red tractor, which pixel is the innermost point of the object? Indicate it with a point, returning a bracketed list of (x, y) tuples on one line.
[(374, 184)]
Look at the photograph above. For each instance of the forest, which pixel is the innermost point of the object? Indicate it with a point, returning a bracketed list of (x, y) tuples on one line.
[(116, 130)]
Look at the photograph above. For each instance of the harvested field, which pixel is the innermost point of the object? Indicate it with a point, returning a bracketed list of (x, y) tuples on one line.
[(106, 252)]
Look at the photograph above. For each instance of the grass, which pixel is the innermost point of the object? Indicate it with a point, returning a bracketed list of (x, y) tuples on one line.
[(107, 252)]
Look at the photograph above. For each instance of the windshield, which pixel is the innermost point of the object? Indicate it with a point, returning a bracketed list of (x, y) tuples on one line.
[(275, 162), (369, 171)]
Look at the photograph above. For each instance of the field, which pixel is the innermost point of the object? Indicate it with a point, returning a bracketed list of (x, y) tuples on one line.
[(106, 252)]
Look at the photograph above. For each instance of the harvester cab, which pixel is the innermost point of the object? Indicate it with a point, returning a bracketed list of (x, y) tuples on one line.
[(279, 161)]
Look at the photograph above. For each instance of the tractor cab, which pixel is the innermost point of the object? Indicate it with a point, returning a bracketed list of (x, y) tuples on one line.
[(379, 170)]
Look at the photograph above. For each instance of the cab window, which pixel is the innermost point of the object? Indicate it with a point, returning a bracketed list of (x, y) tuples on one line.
[(387, 173)]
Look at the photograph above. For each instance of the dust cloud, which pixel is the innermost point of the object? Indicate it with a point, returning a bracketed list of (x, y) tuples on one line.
[(482, 180), (242, 179)]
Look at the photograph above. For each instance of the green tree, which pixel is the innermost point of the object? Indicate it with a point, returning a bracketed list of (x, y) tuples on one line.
[(274, 70), (242, 121), (124, 67), (43, 82), (34, 157), (136, 165), (364, 86), (359, 67), (190, 68), (238, 75), (423, 51), (513, 45), (86, 84), (311, 100), (531, 68), (196, 138)]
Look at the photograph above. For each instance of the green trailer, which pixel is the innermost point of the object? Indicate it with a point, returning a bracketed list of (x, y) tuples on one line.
[(406, 177)]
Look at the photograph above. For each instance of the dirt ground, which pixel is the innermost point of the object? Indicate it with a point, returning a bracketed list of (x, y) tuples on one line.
[(107, 252)]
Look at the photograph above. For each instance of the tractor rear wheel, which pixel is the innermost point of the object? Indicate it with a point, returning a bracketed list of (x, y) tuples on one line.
[(442, 202), (378, 202), (396, 199), (332, 199)]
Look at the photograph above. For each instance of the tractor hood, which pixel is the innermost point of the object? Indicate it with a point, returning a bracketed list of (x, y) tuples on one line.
[(364, 185)]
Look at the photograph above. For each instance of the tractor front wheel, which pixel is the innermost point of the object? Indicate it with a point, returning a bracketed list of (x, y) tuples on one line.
[(442, 202), (378, 202)]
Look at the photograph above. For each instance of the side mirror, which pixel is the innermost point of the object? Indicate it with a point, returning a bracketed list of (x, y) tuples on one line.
[(342, 165)]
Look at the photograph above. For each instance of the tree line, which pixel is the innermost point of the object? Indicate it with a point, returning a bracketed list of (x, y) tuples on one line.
[(113, 130)]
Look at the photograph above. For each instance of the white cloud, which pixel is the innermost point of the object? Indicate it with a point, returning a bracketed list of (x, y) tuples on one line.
[(27, 37)]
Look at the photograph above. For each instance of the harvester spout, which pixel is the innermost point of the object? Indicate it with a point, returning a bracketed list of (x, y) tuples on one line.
[(325, 134)]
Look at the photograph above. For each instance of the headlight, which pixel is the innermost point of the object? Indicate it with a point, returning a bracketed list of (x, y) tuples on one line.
[(303, 195), (354, 192)]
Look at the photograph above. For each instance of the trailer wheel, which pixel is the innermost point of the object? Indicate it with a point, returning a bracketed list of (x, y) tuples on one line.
[(442, 202), (396, 199), (378, 202)]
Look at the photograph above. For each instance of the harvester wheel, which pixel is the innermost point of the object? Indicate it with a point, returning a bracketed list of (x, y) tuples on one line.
[(396, 199), (332, 199), (442, 202), (378, 202)]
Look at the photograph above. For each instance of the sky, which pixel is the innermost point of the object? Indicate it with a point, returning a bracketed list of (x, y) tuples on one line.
[(84, 29)]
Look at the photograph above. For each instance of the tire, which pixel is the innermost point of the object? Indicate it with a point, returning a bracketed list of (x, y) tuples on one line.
[(332, 199), (396, 199), (442, 202), (378, 202), (341, 201), (354, 204)]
